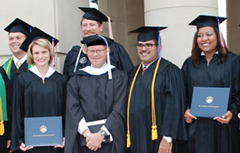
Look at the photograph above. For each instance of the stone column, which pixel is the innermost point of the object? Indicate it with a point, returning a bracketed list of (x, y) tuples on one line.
[(177, 39), (233, 26)]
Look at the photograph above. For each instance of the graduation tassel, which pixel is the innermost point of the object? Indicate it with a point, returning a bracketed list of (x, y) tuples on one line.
[(154, 132), (128, 106), (1, 119), (128, 139), (110, 28), (2, 127)]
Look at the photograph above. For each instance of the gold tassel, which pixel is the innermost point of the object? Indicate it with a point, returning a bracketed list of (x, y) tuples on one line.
[(154, 132), (128, 140), (1, 128)]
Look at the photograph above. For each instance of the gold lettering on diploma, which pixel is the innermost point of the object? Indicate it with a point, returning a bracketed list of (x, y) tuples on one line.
[(44, 135), (209, 106)]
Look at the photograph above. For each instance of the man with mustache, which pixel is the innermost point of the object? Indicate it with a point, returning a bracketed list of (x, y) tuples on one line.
[(92, 24)]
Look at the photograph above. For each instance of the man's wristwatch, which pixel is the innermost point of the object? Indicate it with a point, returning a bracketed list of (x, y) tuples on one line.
[(102, 132), (168, 139)]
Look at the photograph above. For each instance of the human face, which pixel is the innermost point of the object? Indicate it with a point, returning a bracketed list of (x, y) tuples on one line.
[(207, 40), (15, 39), (40, 55), (147, 55), (97, 55), (91, 27)]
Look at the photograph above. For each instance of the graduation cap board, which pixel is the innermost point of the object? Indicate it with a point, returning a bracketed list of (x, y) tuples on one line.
[(207, 20), (146, 33), (93, 14), (19, 25), (96, 40), (36, 34)]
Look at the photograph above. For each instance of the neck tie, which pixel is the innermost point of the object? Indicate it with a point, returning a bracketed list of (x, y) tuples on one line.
[(18, 64), (144, 69)]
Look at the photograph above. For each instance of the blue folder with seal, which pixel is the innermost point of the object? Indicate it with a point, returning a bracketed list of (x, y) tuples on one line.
[(209, 102), (43, 131)]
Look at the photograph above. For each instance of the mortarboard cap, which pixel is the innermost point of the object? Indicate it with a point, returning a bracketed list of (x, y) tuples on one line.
[(96, 40), (206, 20), (19, 25), (93, 14), (36, 34), (146, 33)]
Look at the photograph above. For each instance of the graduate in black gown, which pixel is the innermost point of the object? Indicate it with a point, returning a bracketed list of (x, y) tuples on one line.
[(96, 93), (91, 24), (17, 64), (212, 65), (4, 112), (40, 92), (156, 101)]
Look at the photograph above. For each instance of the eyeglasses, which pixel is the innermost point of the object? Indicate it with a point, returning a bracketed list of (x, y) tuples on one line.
[(98, 51), (147, 46)]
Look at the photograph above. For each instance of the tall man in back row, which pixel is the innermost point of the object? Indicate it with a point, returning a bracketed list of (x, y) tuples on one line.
[(156, 102), (91, 24)]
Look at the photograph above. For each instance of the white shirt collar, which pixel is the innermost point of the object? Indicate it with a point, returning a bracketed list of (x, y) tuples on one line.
[(50, 71), (22, 60), (148, 64), (97, 71), (203, 54)]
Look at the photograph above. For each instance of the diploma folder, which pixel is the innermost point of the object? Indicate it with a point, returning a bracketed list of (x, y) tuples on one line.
[(209, 102), (43, 131)]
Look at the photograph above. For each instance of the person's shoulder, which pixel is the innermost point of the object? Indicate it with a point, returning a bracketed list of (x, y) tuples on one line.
[(74, 49), (119, 72)]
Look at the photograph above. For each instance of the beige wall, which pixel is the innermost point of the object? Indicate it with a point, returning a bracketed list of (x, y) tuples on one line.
[(59, 18)]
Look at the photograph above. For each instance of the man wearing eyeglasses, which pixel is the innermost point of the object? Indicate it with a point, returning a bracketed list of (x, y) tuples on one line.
[(156, 100), (96, 103)]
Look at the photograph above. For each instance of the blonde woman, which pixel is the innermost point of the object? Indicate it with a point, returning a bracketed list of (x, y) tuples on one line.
[(39, 92)]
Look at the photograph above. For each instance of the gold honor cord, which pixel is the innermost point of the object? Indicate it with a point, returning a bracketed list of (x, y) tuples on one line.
[(154, 126), (128, 107), (154, 122)]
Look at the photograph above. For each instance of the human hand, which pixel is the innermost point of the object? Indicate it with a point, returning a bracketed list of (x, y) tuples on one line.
[(165, 147), (94, 141), (24, 148), (225, 119), (61, 146), (8, 143), (188, 116)]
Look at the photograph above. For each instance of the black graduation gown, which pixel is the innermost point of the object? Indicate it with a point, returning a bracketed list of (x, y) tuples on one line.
[(207, 135), (33, 98), (4, 137), (118, 56), (95, 97), (169, 105)]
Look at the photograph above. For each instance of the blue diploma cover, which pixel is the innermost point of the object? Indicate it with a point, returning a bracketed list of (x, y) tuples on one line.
[(209, 102), (43, 131)]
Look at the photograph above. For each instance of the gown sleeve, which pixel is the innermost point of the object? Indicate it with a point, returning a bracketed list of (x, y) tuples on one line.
[(17, 114), (117, 118), (173, 121), (235, 91), (73, 115)]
